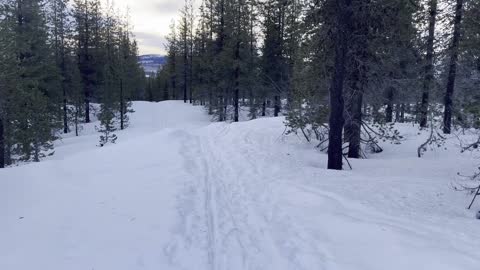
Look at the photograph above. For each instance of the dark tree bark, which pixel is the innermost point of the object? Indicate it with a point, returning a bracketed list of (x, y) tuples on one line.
[(397, 112), (65, 111), (7, 143), (210, 101), (2, 144), (336, 122), (354, 124), (389, 109), (122, 105), (84, 66), (357, 77), (174, 78), (191, 59), (236, 104), (452, 74), (60, 55), (264, 107), (76, 121), (402, 113), (165, 91), (428, 81), (277, 106), (237, 83), (87, 107), (185, 69)]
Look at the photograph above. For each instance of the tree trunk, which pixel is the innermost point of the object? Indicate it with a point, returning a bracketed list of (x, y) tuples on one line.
[(2, 145), (87, 58), (277, 106), (210, 101), (452, 74), (174, 86), (165, 91), (354, 133), (357, 78), (65, 110), (6, 141), (336, 122), (236, 104), (185, 58), (237, 83), (402, 113), (264, 108), (185, 86), (397, 112), (428, 81), (87, 107), (191, 54), (122, 105), (36, 151), (389, 109), (354, 123), (77, 110), (220, 108)]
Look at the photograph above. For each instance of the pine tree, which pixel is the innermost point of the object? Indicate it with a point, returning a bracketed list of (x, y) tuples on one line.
[(274, 64), (469, 71), (184, 35), (225, 42), (171, 67), (51, 71), (452, 72), (382, 59), (200, 59), (36, 97), (61, 32), (112, 84), (343, 31), (7, 76), (429, 65), (75, 94), (359, 56), (130, 75), (281, 45), (90, 48), (312, 66)]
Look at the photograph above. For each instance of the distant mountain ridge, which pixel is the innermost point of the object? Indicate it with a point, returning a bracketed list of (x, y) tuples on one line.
[(152, 62)]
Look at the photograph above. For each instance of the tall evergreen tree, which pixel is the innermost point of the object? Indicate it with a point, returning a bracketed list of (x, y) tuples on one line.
[(186, 41), (90, 48), (452, 69), (171, 67), (342, 31), (112, 83), (7, 71), (36, 96), (61, 32), (429, 65)]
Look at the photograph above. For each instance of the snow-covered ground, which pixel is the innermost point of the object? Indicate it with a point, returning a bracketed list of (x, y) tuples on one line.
[(180, 192)]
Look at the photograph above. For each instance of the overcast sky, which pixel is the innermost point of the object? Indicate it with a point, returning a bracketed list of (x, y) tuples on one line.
[(151, 20)]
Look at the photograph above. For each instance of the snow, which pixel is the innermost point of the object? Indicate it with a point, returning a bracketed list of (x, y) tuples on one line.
[(180, 192)]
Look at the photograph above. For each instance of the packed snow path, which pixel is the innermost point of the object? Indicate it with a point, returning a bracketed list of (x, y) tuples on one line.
[(179, 192)]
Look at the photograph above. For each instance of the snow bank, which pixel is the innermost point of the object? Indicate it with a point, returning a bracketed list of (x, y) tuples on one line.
[(179, 192)]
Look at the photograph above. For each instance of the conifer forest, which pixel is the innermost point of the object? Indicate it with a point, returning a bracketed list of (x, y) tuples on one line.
[(241, 135)]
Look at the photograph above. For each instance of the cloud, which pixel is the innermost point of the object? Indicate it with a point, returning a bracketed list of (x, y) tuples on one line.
[(168, 6), (151, 20), (151, 43)]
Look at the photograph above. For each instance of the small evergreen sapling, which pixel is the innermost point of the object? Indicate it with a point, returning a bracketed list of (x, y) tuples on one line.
[(107, 126)]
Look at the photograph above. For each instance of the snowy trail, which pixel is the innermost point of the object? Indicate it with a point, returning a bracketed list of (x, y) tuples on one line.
[(260, 214), (180, 193)]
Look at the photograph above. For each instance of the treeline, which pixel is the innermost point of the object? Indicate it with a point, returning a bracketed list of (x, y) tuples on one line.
[(56, 58), (333, 67)]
